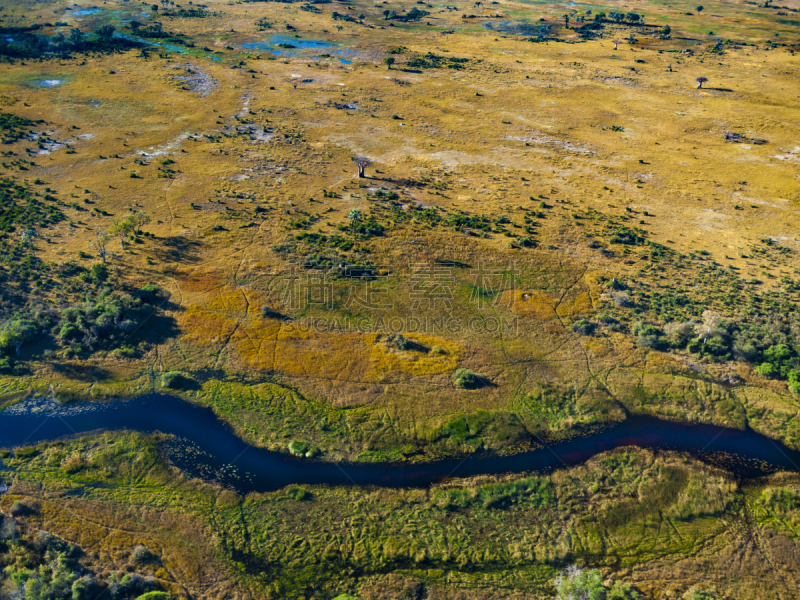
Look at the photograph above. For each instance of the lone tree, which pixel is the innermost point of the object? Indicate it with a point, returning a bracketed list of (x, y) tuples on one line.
[(123, 228), (27, 239), (389, 60), (362, 162), (355, 219), (138, 220), (100, 242), (616, 43), (700, 81), (711, 319)]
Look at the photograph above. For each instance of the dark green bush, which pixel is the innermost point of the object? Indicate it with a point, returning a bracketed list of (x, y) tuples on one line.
[(469, 380), (177, 380)]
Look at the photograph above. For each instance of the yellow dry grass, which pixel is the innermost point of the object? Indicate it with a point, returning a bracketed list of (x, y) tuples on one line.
[(522, 124)]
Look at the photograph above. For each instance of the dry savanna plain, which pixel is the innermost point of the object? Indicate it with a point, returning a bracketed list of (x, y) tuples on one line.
[(399, 232)]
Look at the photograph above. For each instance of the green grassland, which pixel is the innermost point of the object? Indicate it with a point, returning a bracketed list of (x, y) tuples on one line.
[(661, 522)]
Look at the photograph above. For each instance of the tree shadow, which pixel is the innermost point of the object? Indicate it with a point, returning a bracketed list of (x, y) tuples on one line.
[(268, 312), (156, 328), (82, 372), (451, 263), (176, 248), (718, 89)]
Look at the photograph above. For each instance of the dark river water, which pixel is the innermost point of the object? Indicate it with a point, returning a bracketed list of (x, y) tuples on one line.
[(207, 448)]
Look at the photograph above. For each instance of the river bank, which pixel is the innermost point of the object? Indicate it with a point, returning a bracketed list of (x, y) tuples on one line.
[(206, 447)]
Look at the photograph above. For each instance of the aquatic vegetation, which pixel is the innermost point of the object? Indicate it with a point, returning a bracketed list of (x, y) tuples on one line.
[(533, 526)]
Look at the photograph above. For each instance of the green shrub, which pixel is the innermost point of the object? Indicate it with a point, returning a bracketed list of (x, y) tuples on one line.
[(177, 380), (141, 554), (794, 381), (583, 327), (13, 334), (578, 584), (767, 370), (299, 447), (99, 272), (299, 494), (468, 380), (149, 293), (26, 452), (84, 588)]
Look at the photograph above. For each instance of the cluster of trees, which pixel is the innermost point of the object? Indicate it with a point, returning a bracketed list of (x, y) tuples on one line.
[(337, 16), (152, 30), (630, 18), (588, 584), (360, 226), (22, 211), (14, 128), (435, 61), (39, 566), (24, 43), (575, 583), (772, 347), (414, 14), (13, 334), (103, 322), (706, 309), (20, 206), (156, 30), (124, 229)]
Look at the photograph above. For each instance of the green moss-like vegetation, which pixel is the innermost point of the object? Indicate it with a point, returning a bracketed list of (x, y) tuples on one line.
[(621, 509)]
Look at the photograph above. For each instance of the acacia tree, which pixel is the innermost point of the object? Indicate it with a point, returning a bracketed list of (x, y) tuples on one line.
[(139, 219), (711, 319), (389, 60), (362, 162), (27, 239), (700, 81), (123, 228), (99, 244)]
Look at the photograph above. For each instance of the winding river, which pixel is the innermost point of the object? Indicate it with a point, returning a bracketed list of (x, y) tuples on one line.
[(207, 448)]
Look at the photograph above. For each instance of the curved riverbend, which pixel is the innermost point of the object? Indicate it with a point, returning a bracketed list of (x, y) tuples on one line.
[(213, 452)]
